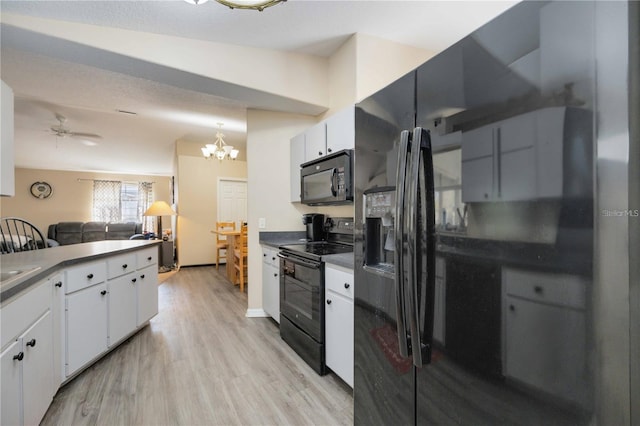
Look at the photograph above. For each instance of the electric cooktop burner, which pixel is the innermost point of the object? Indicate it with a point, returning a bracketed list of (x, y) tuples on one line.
[(319, 248)]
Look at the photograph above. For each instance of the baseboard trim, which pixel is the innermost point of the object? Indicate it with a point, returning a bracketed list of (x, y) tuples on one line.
[(256, 313)]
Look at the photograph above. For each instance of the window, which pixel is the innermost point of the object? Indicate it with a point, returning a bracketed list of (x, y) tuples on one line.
[(115, 201)]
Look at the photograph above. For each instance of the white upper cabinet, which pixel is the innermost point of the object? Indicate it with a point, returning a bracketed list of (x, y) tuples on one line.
[(521, 158), (315, 143), (334, 134), (7, 178), (341, 130)]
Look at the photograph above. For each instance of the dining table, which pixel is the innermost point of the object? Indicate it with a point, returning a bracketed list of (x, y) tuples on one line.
[(232, 236)]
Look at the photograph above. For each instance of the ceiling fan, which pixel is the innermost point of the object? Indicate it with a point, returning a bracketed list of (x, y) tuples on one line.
[(60, 131)]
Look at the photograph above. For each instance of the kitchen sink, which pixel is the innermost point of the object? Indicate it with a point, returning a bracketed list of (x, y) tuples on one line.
[(14, 274)]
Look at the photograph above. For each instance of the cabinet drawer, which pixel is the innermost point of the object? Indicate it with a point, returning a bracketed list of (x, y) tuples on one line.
[(85, 275), (339, 280), (24, 311), (556, 289), (146, 257), (121, 264), (270, 256)]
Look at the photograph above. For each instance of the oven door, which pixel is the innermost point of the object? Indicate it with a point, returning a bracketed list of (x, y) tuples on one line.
[(301, 294)]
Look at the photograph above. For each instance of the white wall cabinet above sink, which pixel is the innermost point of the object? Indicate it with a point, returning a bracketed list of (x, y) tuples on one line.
[(540, 154)]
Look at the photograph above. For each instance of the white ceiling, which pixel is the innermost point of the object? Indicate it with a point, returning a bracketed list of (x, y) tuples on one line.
[(88, 96)]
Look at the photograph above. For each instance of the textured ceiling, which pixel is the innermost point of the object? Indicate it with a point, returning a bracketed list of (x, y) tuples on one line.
[(88, 96)]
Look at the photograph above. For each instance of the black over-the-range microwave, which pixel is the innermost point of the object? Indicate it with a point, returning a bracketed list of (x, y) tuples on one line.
[(327, 180)]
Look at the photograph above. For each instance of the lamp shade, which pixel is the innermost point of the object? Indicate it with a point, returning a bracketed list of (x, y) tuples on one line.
[(160, 208)]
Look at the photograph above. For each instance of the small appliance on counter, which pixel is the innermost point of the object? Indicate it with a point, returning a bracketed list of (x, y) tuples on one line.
[(314, 223)]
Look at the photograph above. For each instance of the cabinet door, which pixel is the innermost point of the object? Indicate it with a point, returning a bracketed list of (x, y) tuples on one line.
[(315, 144), (339, 335), (296, 150), (86, 326), (341, 130), (10, 368), (545, 347), (517, 162), (147, 294), (271, 290), (122, 306), (38, 372), (478, 174)]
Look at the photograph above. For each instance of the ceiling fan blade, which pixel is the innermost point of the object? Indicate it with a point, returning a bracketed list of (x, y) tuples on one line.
[(84, 135)]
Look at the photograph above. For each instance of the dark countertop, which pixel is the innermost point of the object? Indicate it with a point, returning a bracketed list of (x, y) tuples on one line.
[(344, 259), (42, 263), (543, 257), (276, 239)]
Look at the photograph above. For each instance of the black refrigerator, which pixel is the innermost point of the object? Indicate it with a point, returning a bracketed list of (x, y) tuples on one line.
[(485, 198)]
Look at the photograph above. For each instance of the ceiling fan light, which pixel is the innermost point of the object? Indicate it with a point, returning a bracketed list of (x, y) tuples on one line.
[(196, 2), (205, 152), (211, 148), (227, 149), (234, 154), (250, 4)]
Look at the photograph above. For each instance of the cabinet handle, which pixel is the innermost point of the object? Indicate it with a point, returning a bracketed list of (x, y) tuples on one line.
[(538, 289), (103, 292), (58, 284), (125, 266), (142, 276), (133, 280), (19, 357), (512, 308), (486, 195), (273, 258), (264, 254), (31, 343), (329, 150), (347, 285), (328, 301), (90, 276), (149, 258), (319, 152), (275, 274)]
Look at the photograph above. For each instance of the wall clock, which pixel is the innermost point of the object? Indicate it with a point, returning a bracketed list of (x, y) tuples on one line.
[(41, 190)]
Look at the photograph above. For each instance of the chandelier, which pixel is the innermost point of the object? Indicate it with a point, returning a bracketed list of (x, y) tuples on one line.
[(242, 4), (219, 149)]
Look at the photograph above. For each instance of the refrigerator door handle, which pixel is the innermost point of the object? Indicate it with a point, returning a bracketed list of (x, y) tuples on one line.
[(421, 246), (399, 231)]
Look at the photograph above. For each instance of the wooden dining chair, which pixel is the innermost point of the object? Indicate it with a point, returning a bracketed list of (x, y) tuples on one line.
[(240, 258), (221, 241)]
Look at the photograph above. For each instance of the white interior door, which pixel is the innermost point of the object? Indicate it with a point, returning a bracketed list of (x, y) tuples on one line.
[(232, 201)]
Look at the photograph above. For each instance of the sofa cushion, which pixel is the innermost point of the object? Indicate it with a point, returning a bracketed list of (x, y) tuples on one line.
[(120, 231), (69, 233), (94, 231)]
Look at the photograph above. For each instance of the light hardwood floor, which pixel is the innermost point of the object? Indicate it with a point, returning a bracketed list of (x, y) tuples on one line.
[(202, 362)]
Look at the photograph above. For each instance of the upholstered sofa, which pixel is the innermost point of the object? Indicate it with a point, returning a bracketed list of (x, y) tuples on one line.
[(65, 233)]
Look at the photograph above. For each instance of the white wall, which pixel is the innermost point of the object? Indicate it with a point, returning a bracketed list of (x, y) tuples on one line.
[(197, 205)]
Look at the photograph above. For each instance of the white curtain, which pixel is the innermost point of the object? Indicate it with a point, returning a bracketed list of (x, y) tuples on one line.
[(106, 201)]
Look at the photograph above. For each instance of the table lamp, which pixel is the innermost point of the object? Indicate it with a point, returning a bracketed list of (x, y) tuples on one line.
[(160, 208)]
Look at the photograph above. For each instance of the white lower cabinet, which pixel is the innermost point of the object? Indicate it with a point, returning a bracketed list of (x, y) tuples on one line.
[(271, 282), (52, 331), (122, 307), (546, 332), (86, 326), (146, 294), (339, 321), (28, 375)]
